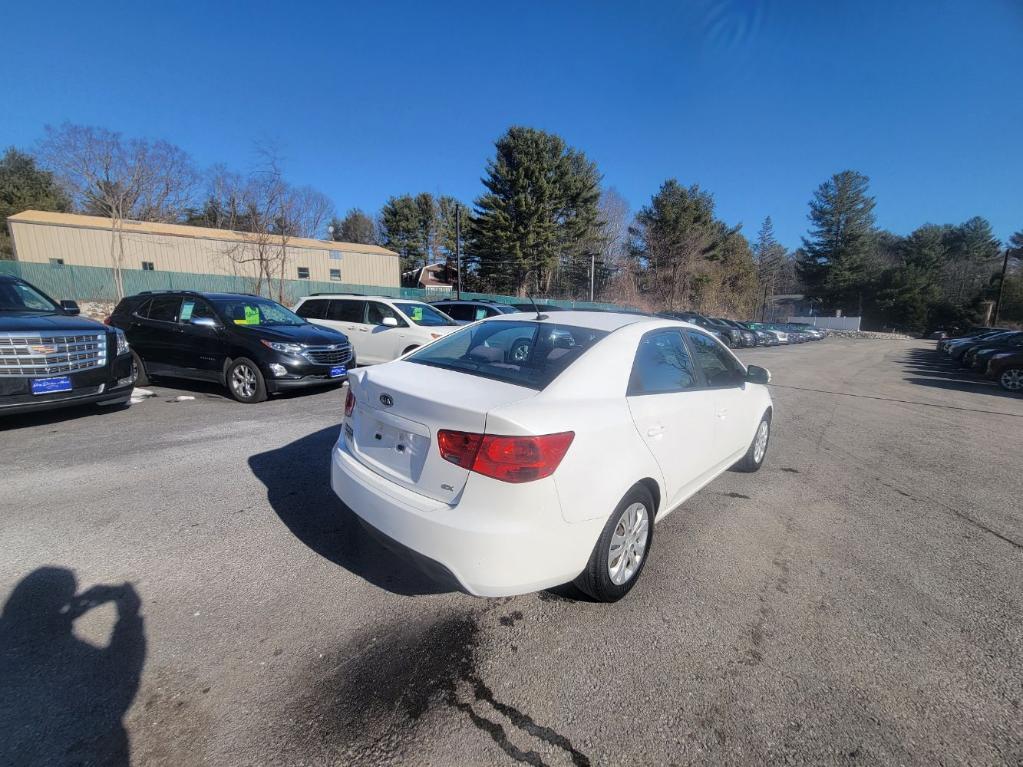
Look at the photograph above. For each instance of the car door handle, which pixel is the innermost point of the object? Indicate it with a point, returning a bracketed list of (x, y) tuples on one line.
[(655, 431)]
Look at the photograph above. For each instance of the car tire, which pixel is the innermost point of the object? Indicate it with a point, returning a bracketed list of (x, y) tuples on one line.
[(141, 377), (757, 451), (245, 381), (1011, 379), (630, 529)]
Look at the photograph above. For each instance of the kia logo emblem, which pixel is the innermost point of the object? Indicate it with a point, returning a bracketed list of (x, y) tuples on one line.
[(386, 400)]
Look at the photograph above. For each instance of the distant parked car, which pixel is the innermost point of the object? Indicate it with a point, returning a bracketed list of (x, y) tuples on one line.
[(977, 355), (251, 345), (52, 358), (747, 336), (1006, 367), (972, 333), (779, 336), (544, 308), (380, 328), (511, 473), (729, 336), (957, 349), (464, 312)]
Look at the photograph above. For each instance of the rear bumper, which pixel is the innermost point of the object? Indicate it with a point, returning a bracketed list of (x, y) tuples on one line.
[(500, 539)]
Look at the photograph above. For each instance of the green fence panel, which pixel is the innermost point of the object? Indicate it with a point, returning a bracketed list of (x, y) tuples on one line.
[(94, 283)]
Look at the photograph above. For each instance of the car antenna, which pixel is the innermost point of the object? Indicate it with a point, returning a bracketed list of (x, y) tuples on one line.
[(537, 308)]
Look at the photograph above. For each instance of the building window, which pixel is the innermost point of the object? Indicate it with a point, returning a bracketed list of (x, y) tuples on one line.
[(303, 272), (56, 262), (147, 266), (335, 275), (335, 255)]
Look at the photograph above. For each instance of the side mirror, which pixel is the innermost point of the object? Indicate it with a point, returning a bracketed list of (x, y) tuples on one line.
[(390, 322), (758, 375), (70, 307), (204, 322)]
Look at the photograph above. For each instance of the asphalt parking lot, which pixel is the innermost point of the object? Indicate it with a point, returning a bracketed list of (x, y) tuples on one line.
[(859, 601)]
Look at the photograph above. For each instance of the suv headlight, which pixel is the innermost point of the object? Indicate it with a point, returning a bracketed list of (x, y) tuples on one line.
[(122, 342), (279, 346)]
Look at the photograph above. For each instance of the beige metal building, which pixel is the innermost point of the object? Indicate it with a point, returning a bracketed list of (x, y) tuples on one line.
[(67, 238)]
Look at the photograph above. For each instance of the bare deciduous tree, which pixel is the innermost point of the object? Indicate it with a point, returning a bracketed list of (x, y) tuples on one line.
[(123, 179)]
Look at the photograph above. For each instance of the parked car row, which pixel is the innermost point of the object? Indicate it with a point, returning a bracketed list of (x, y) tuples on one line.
[(737, 335), (996, 353)]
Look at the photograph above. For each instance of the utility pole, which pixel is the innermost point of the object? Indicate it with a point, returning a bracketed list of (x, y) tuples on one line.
[(458, 250), (593, 268), (1001, 286)]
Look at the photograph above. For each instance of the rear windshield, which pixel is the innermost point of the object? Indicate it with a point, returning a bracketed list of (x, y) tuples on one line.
[(530, 354)]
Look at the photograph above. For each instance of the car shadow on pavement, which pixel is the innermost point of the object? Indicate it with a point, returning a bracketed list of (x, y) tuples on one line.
[(63, 700), (929, 367), (297, 479)]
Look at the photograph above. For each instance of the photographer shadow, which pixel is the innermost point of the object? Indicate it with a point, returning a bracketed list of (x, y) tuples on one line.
[(63, 700)]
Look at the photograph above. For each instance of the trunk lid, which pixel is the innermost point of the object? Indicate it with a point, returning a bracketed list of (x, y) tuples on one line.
[(400, 407)]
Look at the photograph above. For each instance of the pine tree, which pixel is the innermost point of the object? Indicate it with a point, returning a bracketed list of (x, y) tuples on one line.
[(24, 186), (835, 262), (356, 226), (539, 212)]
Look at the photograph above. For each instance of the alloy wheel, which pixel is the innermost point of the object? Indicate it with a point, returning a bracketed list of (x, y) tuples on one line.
[(760, 442), (243, 381), (1012, 379), (628, 544)]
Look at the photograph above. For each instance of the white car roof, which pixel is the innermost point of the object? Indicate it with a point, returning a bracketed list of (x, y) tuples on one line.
[(609, 321)]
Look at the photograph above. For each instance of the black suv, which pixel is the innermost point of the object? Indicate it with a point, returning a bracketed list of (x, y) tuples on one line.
[(464, 312), (50, 357), (251, 345)]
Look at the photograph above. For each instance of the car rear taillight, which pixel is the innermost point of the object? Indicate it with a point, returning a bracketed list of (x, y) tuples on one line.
[(349, 403), (509, 459)]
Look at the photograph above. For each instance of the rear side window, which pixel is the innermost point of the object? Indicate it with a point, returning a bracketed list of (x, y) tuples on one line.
[(662, 365), (347, 310), (718, 366), (164, 309), (530, 354), (315, 309), (461, 312)]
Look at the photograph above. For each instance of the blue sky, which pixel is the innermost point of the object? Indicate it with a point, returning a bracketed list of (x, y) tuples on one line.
[(758, 102)]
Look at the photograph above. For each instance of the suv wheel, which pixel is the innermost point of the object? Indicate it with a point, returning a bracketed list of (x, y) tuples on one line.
[(1011, 379), (139, 369), (245, 382)]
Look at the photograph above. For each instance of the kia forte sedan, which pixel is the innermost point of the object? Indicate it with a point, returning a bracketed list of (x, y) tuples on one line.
[(520, 452)]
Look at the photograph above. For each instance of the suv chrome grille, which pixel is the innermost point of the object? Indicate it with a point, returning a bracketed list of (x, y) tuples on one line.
[(336, 354), (41, 354)]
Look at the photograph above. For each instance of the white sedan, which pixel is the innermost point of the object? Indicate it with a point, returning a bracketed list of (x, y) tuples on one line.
[(527, 451)]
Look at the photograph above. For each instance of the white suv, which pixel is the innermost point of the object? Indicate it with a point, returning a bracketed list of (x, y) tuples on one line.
[(379, 328)]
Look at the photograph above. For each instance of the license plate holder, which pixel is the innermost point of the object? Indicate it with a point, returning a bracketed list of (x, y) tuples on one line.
[(338, 370), (51, 385)]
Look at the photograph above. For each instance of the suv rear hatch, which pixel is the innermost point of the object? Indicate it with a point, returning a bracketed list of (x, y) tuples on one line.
[(400, 407)]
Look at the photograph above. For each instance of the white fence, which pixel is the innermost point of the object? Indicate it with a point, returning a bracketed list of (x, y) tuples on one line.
[(831, 323)]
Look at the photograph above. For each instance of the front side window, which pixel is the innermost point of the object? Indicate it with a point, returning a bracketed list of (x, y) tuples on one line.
[(719, 367), (164, 309), (662, 365), (423, 314), (347, 310), (255, 312), (530, 354), (376, 312)]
